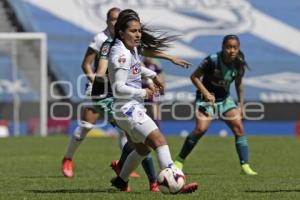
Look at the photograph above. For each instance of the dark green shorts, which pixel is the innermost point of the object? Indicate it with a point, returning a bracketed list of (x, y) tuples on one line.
[(104, 108), (218, 108)]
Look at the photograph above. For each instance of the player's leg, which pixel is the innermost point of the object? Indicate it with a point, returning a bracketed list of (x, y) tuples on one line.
[(144, 130), (89, 119), (158, 143), (126, 149), (202, 123), (234, 121), (147, 163), (131, 163)]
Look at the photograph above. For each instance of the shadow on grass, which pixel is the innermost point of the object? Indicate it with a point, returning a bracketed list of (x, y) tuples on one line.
[(37, 177), (273, 191), (81, 191), (199, 174)]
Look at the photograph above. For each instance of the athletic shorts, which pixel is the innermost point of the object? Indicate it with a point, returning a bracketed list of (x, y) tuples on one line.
[(104, 108), (132, 118), (219, 108)]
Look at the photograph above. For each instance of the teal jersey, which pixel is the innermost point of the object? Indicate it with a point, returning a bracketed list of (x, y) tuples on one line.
[(218, 77)]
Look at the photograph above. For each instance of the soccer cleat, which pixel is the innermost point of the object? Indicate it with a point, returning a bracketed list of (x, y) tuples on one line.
[(120, 184), (134, 174), (246, 169), (179, 162), (154, 187), (67, 167), (114, 165), (189, 188)]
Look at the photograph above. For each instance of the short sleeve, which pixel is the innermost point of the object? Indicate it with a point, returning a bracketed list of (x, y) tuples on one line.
[(121, 60), (204, 65), (96, 43), (105, 49)]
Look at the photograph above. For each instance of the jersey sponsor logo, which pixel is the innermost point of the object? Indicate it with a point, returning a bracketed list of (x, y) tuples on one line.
[(122, 59), (136, 69), (105, 49)]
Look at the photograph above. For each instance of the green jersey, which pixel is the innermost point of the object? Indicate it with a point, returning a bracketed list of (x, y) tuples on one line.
[(217, 76)]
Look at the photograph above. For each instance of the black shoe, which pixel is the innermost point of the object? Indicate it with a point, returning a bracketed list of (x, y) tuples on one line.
[(120, 184)]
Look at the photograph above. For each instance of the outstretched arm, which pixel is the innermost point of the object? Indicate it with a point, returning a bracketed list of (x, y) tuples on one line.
[(161, 55)]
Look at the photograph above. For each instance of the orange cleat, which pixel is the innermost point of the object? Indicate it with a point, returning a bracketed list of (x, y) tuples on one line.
[(134, 174), (189, 188), (114, 165), (67, 167), (154, 187)]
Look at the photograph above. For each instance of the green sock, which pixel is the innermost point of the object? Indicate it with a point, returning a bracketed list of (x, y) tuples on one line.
[(241, 145), (188, 146)]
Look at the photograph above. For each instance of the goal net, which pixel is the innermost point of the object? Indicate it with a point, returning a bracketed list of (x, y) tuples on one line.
[(23, 83)]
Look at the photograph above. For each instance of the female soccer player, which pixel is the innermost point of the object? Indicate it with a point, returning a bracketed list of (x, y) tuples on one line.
[(97, 53), (212, 80), (125, 71), (89, 116)]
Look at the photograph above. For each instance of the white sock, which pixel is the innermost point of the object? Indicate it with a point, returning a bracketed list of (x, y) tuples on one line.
[(164, 156), (131, 163), (75, 141)]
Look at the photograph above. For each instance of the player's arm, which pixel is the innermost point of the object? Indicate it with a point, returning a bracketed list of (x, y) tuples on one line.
[(160, 74), (100, 83), (102, 67), (86, 66), (154, 77), (161, 55), (240, 93), (195, 78), (103, 59)]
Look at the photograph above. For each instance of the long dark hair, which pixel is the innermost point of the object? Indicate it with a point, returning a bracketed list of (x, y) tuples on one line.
[(151, 40), (242, 65)]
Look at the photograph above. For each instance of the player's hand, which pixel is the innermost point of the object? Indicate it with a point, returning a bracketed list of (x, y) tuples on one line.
[(242, 112), (159, 85), (149, 92), (180, 62), (210, 98)]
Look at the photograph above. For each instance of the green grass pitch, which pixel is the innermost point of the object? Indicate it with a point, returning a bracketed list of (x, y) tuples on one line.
[(30, 169)]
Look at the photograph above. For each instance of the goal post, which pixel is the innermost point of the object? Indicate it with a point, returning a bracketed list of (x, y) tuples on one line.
[(24, 86)]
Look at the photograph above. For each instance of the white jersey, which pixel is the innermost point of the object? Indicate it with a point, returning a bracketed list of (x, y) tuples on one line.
[(122, 58), (96, 44), (125, 71), (98, 40)]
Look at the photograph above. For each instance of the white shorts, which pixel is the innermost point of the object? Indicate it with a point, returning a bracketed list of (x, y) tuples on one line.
[(133, 119)]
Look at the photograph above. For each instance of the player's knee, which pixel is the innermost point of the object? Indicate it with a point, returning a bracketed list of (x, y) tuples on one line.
[(90, 116), (142, 149), (155, 139), (238, 129), (199, 131)]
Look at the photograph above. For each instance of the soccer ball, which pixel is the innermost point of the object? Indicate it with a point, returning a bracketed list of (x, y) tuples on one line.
[(170, 180)]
